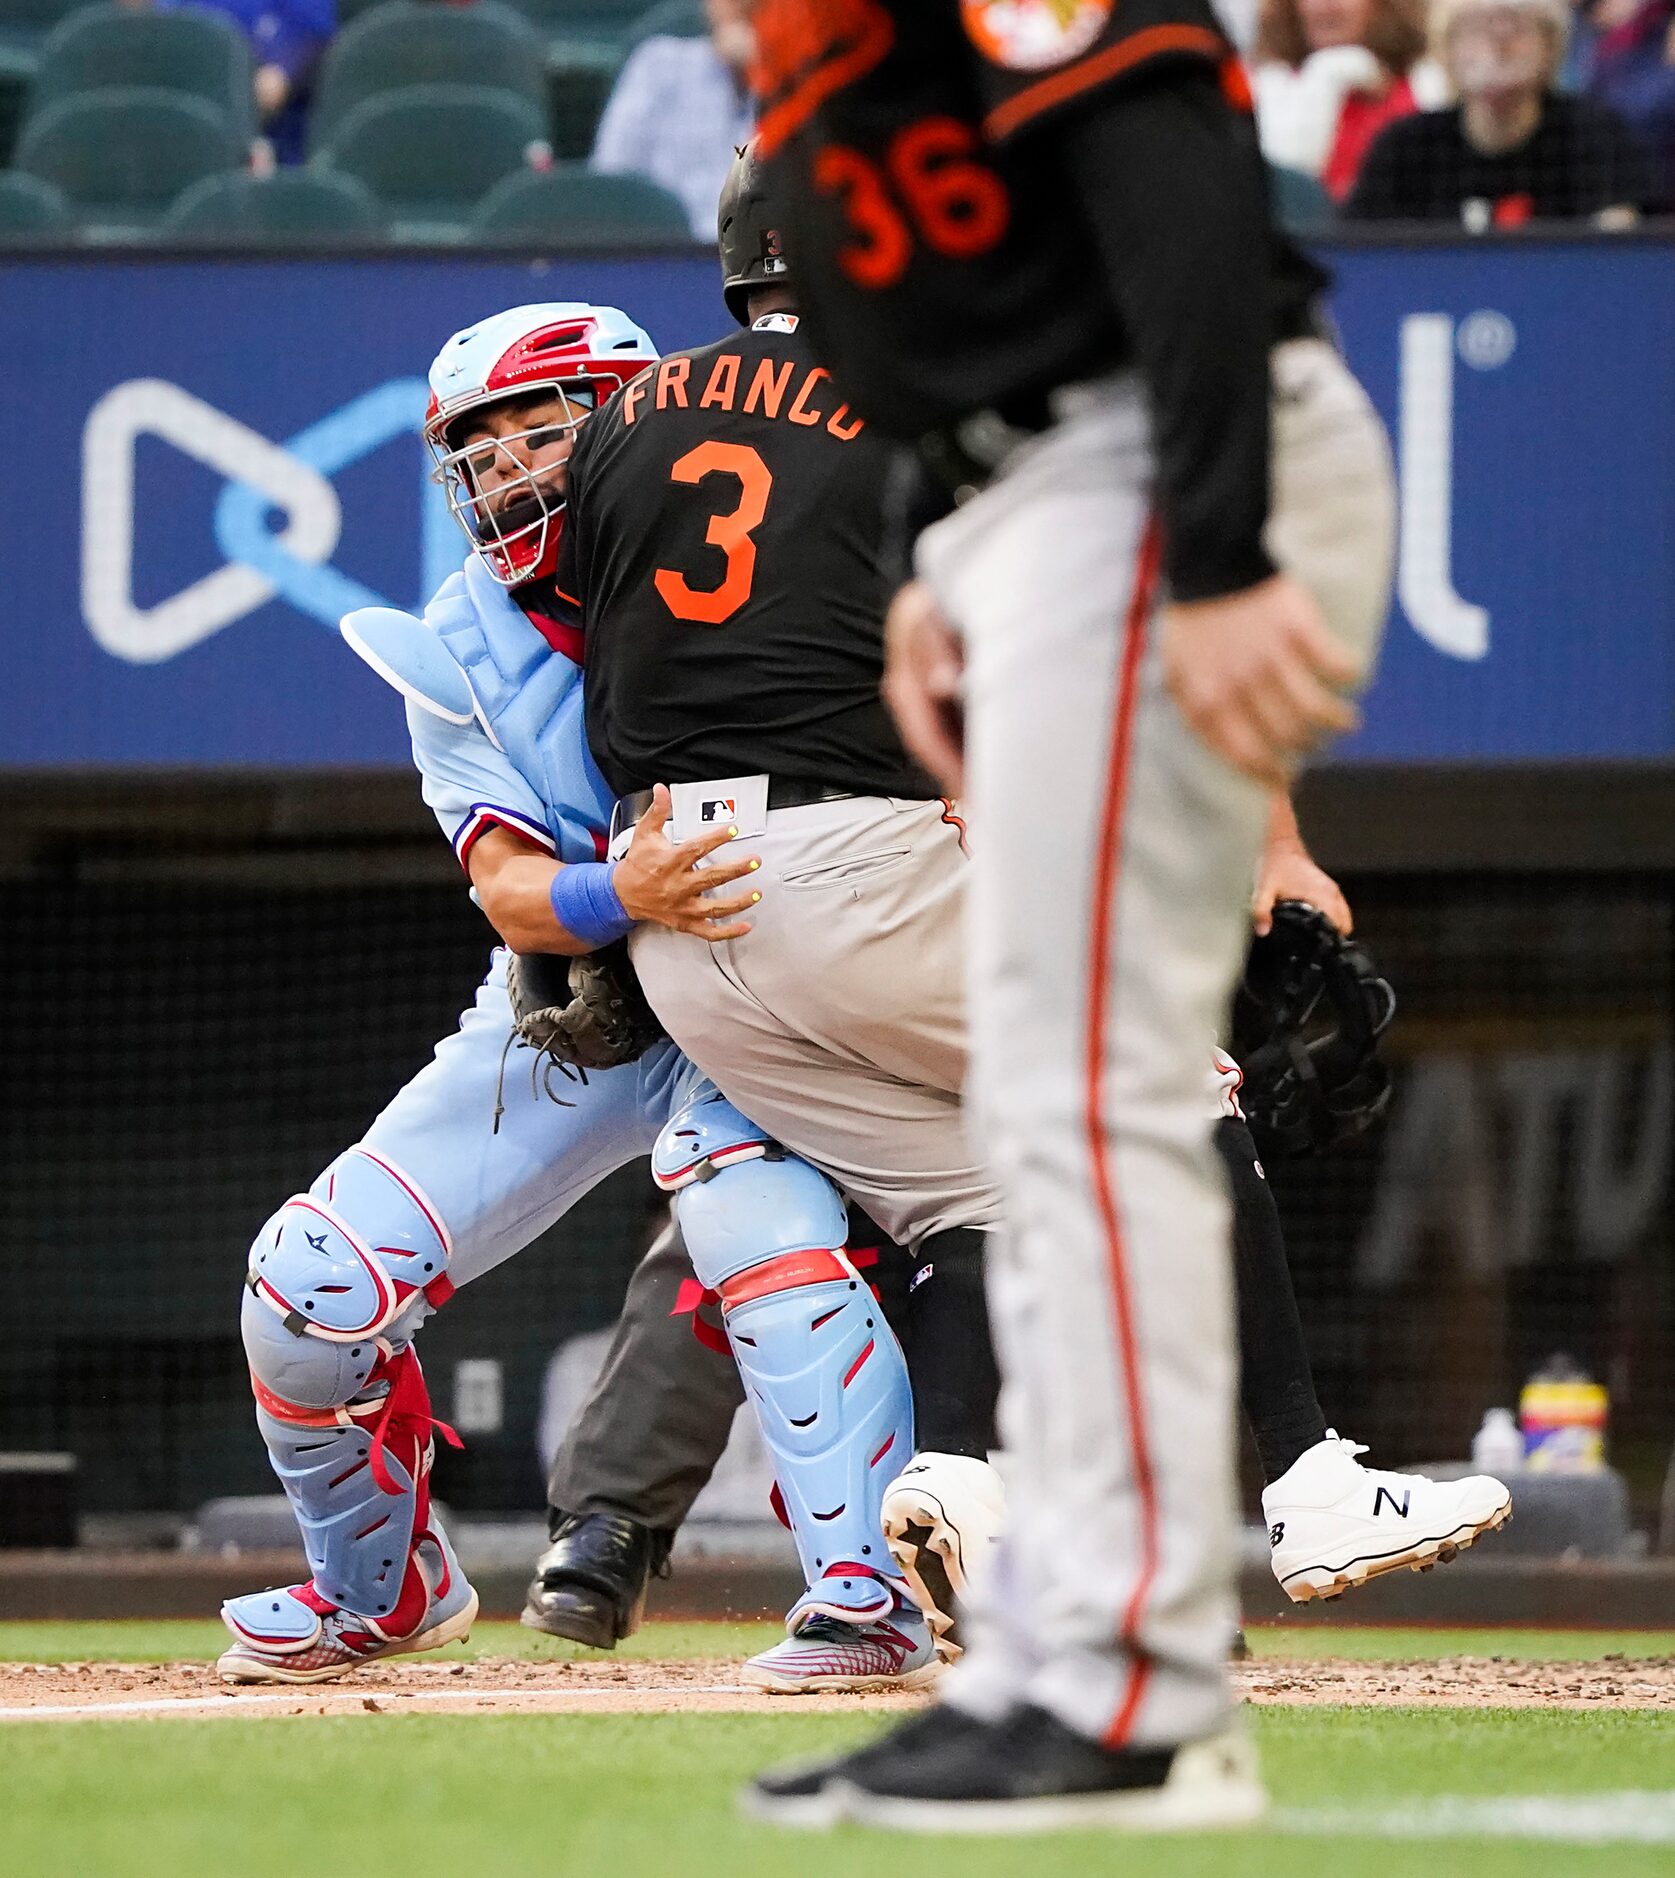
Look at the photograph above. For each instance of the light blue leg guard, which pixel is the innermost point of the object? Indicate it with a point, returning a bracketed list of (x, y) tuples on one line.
[(339, 1279), (822, 1367)]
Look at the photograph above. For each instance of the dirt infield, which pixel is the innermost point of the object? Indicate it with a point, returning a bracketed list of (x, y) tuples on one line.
[(503, 1685)]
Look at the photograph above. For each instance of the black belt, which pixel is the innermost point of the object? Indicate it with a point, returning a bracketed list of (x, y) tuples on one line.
[(783, 793)]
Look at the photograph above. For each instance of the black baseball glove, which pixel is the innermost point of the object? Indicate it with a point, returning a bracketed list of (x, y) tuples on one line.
[(1306, 1026), (587, 1011)]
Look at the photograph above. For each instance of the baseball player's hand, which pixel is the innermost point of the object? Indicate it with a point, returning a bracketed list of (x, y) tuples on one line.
[(1258, 677), (1294, 874), (667, 881), (924, 663)]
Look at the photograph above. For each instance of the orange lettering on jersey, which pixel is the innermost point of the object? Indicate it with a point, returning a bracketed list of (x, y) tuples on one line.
[(799, 412), (769, 386), (634, 397), (845, 433), (724, 383), (672, 375)]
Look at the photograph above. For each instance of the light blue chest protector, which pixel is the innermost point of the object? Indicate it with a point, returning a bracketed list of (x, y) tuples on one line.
[(526, 696)]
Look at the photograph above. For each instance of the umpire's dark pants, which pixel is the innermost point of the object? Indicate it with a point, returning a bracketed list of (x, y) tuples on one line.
[(655, 1423)]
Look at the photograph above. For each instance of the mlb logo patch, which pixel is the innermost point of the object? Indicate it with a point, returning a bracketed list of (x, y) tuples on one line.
[(718, 809)]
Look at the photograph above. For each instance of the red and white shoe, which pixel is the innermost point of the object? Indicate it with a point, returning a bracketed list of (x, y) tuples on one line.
[(297, 1635), (1333, 1524), (830, 1655)]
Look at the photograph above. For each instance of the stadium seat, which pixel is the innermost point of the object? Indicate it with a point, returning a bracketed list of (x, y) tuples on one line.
[(1300, 202), (24, 25), (289, 206), (404, 43), (571, 206), (30, 207), (194, 52), (430, 153), (671, 19), (122, 156)]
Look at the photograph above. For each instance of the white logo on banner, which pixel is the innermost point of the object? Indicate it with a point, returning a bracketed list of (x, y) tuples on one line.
[(153, 407), (1425, 568)]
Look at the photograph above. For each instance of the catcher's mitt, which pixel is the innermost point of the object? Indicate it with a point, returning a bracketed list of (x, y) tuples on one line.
[(587, 1011), (1306, 1024)]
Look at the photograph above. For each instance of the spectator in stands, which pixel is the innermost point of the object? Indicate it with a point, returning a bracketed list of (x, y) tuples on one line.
[(1512, 150), (286, 40), (1330, 74), (678, 111), (1633, 71)]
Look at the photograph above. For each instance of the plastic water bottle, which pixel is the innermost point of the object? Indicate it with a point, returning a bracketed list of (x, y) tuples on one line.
[(1498, 1448), (1563, 1413)]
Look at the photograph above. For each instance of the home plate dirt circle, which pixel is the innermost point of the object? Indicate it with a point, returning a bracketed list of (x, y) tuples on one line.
[(508, 1685)]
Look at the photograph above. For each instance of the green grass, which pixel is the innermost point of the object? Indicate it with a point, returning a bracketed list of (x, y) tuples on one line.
[(154, 1641), (1403, 1645), (151, 1640), (630, 1794)]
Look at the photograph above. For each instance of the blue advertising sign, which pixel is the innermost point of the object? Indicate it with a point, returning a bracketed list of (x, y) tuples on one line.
[(219, 458)]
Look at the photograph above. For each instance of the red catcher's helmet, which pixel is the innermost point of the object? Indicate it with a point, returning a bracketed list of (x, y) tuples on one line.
[(579, 353)]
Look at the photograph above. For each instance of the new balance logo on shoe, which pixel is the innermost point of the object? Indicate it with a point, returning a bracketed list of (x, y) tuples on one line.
[(1396, 1506), (1276, 1533)]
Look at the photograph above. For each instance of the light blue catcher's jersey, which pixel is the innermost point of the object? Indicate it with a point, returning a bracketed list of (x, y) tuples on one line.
[(495, 712), (470, 786)]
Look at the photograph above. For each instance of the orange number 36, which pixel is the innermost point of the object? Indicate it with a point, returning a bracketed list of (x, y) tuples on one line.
[(730, 532)]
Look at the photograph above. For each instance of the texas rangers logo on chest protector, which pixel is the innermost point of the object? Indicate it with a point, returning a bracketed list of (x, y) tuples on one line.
[(1028, 35)]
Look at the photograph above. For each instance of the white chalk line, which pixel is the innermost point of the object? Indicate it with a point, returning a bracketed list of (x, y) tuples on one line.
[(1627, 1818), (352, 1698)]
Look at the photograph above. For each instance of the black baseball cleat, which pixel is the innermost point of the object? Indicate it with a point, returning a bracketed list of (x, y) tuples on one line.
[(590, 1583), (1030, 1773), (809, 1792)]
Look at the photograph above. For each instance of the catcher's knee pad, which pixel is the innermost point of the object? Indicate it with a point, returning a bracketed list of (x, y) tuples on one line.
[(343, 1410), (823, 1369)]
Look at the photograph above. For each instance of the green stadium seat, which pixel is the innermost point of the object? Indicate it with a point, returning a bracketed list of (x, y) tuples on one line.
[(123, 155), (200, 54), (24, 25), (295, 206), (581, 71), (430, 153), (671, 19), (29, 206), (570, 206), (1300, 202), (403, 43)]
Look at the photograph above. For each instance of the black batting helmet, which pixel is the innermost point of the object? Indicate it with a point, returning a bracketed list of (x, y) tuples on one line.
[(751, 252)]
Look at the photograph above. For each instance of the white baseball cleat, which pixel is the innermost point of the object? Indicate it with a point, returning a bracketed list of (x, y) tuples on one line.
[(830, 1655), (942, 1514), (1333, 1524)]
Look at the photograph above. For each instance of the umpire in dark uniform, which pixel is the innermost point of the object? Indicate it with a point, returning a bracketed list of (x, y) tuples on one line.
[(1032, 239)]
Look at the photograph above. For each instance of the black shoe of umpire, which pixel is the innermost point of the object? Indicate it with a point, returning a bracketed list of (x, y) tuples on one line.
[(590, 1583)]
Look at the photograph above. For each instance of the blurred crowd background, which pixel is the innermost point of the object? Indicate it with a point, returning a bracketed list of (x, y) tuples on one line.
[(597, 121)]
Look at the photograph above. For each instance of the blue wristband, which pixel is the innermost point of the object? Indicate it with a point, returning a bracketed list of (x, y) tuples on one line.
[(585, 903)]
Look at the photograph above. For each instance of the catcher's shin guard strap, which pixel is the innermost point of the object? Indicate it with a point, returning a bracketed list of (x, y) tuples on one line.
[(360, 1488), (822, 1368)]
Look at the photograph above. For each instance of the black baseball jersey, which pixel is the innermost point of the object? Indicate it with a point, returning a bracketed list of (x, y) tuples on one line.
[(966, 186), (722, 548)]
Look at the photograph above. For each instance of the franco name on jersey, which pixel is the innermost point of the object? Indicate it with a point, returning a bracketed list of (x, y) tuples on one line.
[(765, 391)]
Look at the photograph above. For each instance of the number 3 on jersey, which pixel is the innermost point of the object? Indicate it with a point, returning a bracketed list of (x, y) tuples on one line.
[(730, 531)]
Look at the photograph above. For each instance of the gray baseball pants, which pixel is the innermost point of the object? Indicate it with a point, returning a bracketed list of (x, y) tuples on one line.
[(1108, 915)]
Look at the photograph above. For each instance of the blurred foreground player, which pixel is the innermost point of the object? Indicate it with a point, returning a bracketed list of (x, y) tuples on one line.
[(1034, 238)]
